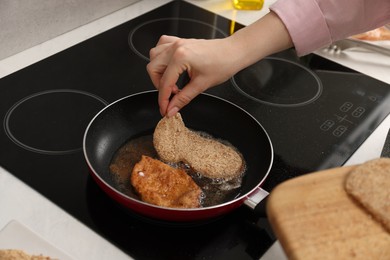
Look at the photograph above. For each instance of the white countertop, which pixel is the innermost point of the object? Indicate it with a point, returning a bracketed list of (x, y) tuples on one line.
[(19, 202)]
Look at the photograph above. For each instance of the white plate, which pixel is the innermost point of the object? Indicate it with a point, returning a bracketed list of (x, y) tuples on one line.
[(17, 236)]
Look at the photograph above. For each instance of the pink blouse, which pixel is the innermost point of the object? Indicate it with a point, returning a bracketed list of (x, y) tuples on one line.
[(316, 23)]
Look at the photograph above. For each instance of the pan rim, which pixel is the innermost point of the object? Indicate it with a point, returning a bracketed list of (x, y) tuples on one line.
[(134, 200)]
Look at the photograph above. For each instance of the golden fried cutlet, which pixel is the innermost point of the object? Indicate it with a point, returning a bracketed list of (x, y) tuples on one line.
[(160, 184)]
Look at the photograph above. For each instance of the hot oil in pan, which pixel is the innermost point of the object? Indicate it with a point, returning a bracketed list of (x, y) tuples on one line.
[(216, 191)]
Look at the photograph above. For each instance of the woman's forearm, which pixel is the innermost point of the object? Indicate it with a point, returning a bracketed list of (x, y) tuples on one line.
[(264, 37)]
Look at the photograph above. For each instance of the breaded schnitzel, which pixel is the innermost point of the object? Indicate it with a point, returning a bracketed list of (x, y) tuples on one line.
[(174, 142)]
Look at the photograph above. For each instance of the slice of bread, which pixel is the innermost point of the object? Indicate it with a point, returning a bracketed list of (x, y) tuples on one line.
[(369, 184), (174, 142)]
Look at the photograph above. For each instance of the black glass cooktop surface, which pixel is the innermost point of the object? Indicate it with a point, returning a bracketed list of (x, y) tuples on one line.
[(316, 113)]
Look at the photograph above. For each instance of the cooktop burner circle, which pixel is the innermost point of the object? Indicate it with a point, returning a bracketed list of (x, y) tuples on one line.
[(146, 35), (52, 122), (278, 82)]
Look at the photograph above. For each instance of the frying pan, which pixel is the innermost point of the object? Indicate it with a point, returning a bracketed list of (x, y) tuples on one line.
[(138, 115)]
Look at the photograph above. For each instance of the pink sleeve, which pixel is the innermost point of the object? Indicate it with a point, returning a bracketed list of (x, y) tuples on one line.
[(315, 23)]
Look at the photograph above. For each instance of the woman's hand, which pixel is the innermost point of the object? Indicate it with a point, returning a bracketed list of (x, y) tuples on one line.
[(205, 61)]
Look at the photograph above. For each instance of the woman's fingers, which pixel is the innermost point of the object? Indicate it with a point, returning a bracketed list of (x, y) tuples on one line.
[(168, 80), (203, 60), (184, 97)]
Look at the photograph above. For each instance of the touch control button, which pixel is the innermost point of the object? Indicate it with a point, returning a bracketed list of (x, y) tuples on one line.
[(358, 112), (346, 107), (340, 130), (327, 125)]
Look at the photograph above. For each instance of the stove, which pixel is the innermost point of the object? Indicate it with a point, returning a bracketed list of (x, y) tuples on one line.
[(317, 113)]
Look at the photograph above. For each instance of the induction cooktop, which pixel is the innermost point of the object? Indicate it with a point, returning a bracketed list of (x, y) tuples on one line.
[(317, 113)]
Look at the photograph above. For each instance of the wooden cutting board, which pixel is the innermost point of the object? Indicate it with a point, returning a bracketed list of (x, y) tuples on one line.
[(314, 218)]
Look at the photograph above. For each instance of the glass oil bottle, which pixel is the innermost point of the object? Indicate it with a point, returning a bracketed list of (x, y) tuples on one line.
[(248, 4)]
